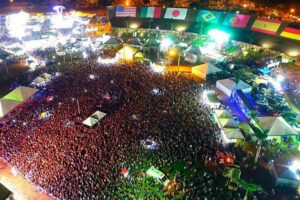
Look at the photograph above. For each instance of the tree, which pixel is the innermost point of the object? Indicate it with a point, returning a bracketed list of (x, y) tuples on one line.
[(139, 187), (261, 135), (249, 187)]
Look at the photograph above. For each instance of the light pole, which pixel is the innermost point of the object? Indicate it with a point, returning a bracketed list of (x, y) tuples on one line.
[(175, 52)]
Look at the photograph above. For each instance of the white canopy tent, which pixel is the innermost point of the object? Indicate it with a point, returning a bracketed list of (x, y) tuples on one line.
[(228, 123), (7, 105), (276, 126), (129, 53), (39, 80), (98, 115), (233, 133), (46, 76), (211, 98), (205, 69), (222, 113), (21, 93), (228, 85), (90, 121)]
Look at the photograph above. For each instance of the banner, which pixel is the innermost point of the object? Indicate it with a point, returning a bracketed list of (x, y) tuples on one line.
[(292, 31), (150, 12), (176, 13), (209, 16), (236, 20), (268, 26), (125, 11)]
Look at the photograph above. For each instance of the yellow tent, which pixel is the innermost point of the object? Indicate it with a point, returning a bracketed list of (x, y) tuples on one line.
[(129, 53)]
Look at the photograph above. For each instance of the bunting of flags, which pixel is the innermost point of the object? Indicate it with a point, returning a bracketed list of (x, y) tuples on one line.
[(268, 26), (236, 20), (292, 31), (263, 25), (209, 16)]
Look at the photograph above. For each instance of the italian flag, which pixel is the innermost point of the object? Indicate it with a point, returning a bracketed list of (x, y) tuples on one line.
[(150, 12)]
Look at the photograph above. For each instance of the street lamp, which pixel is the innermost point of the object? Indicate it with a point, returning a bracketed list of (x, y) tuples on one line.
[(292, 10), (173, 52)]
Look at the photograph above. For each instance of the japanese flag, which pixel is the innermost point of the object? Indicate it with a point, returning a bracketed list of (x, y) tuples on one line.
[(176, 13)]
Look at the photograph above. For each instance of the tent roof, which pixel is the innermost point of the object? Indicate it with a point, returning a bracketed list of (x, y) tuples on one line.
[(233, 133), (277, 126), (90, 121), (151, 43), (221, 113), (7, 105), (21, 93), (228, 123), (193, 50), (46, 75), (128, 49), (129, 52), (207, 68), (138, 55), (284, 171), (213, 98), (98, 115), (134, 42), (39, 80), (112, 40), (230, 84)]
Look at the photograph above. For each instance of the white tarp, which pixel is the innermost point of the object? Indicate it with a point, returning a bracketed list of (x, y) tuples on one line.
[(276, 126), (90, 121), (7, 105), (228, 85), (98, 115)]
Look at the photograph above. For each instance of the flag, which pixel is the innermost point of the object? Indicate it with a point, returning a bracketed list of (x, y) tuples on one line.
[(176, 13), (292, 31), (150, 12), (125, 11), (209, 16), (268, 26), (236, 20)]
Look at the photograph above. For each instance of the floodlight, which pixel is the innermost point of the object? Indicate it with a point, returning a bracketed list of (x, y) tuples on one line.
[(84, 55), (166, 43), (280, 78), (180, 28), (219, 36), (134, 26), (16, 24)]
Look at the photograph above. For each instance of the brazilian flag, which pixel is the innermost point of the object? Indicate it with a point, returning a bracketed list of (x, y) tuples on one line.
[(209, 16)]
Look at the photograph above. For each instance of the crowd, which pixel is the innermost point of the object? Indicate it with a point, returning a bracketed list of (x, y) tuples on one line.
[(73, 161)]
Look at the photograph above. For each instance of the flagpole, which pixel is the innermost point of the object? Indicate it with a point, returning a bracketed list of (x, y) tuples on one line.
[(78, 106)]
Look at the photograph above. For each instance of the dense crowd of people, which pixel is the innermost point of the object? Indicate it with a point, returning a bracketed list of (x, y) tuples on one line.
[(73, 161)]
